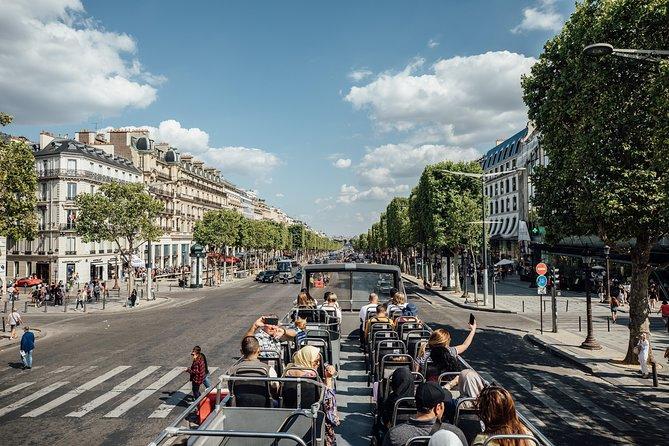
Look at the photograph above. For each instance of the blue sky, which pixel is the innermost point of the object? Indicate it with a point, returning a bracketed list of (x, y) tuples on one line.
[(328, 110)]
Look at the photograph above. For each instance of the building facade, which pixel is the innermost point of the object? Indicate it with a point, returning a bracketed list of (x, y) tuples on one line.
[(65, 169)]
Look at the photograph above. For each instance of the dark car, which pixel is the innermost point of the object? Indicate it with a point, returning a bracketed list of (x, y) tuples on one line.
[(259, 276), (298, 277), (270, 276)]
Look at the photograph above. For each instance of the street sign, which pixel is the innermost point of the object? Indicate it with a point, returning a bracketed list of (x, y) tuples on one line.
[(541, 269), (542, 281), (541, 290)]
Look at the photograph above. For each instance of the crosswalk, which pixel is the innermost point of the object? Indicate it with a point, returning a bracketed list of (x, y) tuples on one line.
[(118, 392)]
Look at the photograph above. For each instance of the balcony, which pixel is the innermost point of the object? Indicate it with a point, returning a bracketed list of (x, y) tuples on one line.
[(92, 251), (68, 227), (70, 253), (76, 174)]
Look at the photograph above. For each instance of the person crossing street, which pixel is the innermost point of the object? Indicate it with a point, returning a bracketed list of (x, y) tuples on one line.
[(197, 371), (27, 347)]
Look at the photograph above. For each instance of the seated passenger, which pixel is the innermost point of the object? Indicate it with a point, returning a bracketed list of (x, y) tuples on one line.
[(373, 302), (331, 304), (300, 331), (442, 354), (397, 303), (469, 385), (305, 301), (444, 438), (381, 317), (430, 399), (401, 386), (269, 336), (498, 413), (250, 350)]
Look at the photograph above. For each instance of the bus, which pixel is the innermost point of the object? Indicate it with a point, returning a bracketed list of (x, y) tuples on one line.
[(287, 269)]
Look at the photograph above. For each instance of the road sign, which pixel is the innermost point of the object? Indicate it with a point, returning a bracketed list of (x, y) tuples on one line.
[(541, 268), (541, 290), (542, 281)]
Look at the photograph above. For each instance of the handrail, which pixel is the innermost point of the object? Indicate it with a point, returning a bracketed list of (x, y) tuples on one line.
[(460, 402), (510, 437), (238, 434), (397, 406), (422, 438)]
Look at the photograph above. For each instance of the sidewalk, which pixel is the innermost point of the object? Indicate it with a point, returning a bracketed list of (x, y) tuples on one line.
[(517, 297)]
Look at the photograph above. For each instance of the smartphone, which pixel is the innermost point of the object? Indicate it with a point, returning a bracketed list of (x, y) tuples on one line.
[(269, 320), (472, 319)]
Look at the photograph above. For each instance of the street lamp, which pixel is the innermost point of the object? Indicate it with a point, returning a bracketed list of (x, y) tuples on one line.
[(607, 251), (483, 177), (605, 49), (590, 342)]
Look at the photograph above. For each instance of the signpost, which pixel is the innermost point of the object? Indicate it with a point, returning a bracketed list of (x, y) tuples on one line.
[(542, 281)]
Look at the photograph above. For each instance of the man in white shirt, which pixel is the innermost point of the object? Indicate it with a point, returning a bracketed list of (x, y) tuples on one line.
[(373, 302)]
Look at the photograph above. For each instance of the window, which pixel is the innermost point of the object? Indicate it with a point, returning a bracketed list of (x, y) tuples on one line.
[(71, 245), (44, 192), (515, 203), (508, 207), (513, 184), (72, 165), (16, 269), (491, 207), (507, 185), (71, 218), (45, 165), (92, 189), (71, 191), (496, 207), (29, 247), (501, 187), (496, 189), (513, 163), (29, 272), (92, 248)]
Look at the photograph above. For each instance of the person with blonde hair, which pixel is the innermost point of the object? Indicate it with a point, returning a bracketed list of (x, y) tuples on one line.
[(440, 351), (397, 303), (331, 304)]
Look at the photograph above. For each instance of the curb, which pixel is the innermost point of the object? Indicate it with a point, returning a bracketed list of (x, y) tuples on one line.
[(532, 339), (458, 304)]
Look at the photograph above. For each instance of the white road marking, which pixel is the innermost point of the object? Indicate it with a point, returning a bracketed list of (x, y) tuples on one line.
[(144, 394), (76, 392), (527, 413), (546, 400), (177, 397), (62, 369), (32, 397), (16, 388), (125, 385), (593, 408)]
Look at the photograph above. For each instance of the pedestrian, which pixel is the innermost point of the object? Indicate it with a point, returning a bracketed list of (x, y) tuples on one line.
[(207, 377), (642, 350), (132, 299), (80, 299), (653, 295), (197, 371), (600, 293), (14, 320), (664, 309), (622, 296), (27, 347), (614, 308)]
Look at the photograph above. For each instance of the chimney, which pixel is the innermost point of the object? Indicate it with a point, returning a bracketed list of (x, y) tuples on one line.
[(85, 137), (498, 142), (45, 138)]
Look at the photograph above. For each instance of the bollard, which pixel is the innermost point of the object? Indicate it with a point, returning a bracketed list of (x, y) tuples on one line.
[(104, 301), (567, 309), (65, 304), (5, 309), (45, 305), (141, 294), (85, 301), (579, 323), (523, 306), (653, 366), (608, 323)]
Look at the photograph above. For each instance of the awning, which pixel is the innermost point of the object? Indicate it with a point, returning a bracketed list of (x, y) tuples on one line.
[(505, 262)]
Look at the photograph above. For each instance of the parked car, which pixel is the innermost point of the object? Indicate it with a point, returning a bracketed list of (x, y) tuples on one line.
[(27, 282), (298, 277), (270, 276), (259, 276)]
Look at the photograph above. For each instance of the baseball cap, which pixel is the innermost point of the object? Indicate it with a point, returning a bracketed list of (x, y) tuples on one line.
[(428, 395)]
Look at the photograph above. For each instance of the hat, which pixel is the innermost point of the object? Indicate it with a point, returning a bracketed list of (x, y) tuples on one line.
[(428, 395)]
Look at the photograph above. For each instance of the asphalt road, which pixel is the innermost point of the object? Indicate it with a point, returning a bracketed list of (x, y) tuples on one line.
[(98, 379)]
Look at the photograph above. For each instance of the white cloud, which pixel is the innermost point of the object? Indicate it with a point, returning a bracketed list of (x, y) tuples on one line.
[(393, 163), (459, 101), (191, 140), (432, 43), (358, 75), (350, 194), (544, 17), (342, 163), (58, 65), (279, 195), (242, 160)]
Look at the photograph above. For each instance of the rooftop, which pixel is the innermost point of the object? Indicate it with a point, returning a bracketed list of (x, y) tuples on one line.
[(58, 146)]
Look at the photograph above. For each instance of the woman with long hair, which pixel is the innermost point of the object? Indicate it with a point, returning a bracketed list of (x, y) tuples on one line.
[(497, 411), (440, 351)]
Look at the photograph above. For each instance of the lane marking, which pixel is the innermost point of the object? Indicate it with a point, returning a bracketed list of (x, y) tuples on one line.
[(144, 394), (30, 398), (122, 387), (16, 388), (588, 404), (62, 369), (76, 392), (177, 397)]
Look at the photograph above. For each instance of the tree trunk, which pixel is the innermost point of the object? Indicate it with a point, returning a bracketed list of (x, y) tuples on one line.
[(456, 266), (638, 300)]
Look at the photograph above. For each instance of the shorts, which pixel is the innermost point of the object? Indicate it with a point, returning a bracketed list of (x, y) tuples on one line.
[(614, 310)]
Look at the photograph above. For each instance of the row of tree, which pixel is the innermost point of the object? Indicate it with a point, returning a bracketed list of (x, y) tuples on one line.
[(442, 214)]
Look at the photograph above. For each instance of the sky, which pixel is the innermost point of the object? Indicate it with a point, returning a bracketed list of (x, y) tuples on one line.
[(327, 109)]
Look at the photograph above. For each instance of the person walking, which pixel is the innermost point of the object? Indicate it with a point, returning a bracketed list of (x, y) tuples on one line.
[(80, 299), (664, 309), (197, 371), (614, 308), (642, 350), (27, 347), (14, 320)]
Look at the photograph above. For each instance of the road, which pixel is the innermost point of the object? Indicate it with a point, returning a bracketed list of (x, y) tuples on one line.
[(101, 378)]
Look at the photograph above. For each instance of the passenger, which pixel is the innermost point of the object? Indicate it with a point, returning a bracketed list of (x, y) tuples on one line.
[(401, 386), (305, 301), (381, 317), (331, 304), (300, 330), (373, 302), (304, 365), (664, 309), (469, 385), (250, 350), (430, 399), (269, 336), (444, 438), (498, 414), (440, 351), (397, 303)]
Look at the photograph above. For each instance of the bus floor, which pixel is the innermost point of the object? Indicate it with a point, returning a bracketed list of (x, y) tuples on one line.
[(353, 395)]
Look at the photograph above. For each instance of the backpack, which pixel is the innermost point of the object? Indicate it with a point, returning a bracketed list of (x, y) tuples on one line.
[(410, 310)]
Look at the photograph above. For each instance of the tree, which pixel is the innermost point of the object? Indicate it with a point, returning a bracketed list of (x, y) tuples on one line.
[(397, 225), (218, 230), (18, 187), (604, 125), (119, 212)]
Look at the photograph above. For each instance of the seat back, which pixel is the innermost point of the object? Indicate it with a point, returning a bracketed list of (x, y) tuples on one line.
[(414, 340), (251, 393), (300, 394), (388, 347), (404, 409), (378, 326), (418, 441), (272, 358), (390, 362), (312, 315), (409, 327)]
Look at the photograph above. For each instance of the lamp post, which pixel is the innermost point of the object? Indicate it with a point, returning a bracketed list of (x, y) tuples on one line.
[(605, 49), (607, 251), (590, 342)]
